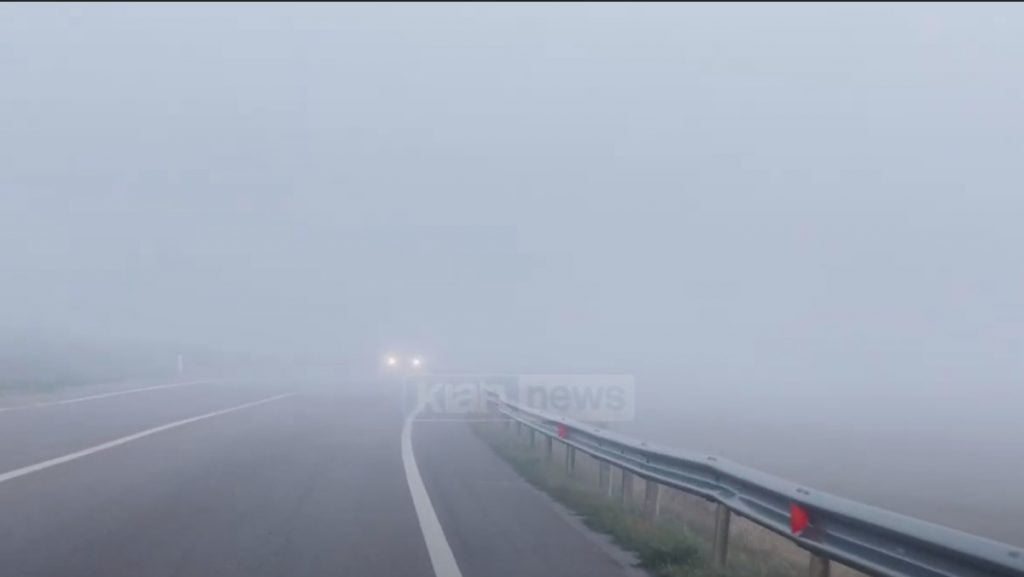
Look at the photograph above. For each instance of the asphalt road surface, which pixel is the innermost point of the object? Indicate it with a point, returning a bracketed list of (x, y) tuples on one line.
[(264, 479)]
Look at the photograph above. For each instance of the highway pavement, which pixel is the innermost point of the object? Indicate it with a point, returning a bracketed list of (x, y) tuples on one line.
[(243, 478)]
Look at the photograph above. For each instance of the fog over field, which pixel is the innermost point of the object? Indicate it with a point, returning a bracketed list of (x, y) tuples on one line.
[(800, 227)]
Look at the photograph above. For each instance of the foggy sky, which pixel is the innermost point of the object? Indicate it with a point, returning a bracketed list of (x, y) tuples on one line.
[(820, 200)]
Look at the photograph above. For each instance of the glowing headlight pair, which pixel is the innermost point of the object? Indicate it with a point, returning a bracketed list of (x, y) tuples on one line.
[(393, 361)]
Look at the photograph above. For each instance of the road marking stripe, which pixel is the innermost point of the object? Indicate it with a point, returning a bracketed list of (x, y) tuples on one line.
[(134, 437), (101, 396), (441, 556)]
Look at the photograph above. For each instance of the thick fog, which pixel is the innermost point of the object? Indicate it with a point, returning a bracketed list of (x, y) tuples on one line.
[(801, 225)]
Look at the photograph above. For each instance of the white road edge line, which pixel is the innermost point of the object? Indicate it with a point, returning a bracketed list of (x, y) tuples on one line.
[(101, 396), (441, 556), (134, 437)]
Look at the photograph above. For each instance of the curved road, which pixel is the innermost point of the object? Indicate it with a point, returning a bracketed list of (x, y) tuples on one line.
[(262, 479)]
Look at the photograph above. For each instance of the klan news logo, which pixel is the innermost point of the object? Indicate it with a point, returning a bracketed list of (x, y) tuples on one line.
[(458, 396), (598, 398), (588, 398)]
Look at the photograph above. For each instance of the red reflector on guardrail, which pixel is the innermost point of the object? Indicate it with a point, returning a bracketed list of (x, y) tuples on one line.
[(798, 519), (562, 431)]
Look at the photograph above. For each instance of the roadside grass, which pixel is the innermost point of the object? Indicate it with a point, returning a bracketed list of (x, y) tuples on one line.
[(663, 549), (42, 384), (677, 544)]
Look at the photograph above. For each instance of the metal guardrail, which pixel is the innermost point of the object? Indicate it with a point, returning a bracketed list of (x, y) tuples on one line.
[(866, 538)]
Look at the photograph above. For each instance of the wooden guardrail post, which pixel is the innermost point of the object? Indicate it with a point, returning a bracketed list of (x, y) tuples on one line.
[(819, 566), (604, 474), (721, 544), (651, 493), (626, 487)]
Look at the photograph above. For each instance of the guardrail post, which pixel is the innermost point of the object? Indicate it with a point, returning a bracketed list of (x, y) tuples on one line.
[(548, 448), (721, 544), (604, 471), (570, 458), (626, 487), (519, 428), (819, 567), (651, 493), (533, 438)]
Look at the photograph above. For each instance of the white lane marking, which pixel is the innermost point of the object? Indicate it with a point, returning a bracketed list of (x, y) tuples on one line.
[(134, 437), (441, 556), (101, 396)]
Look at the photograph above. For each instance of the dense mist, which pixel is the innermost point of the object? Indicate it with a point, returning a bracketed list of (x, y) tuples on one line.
[(799, 219)]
